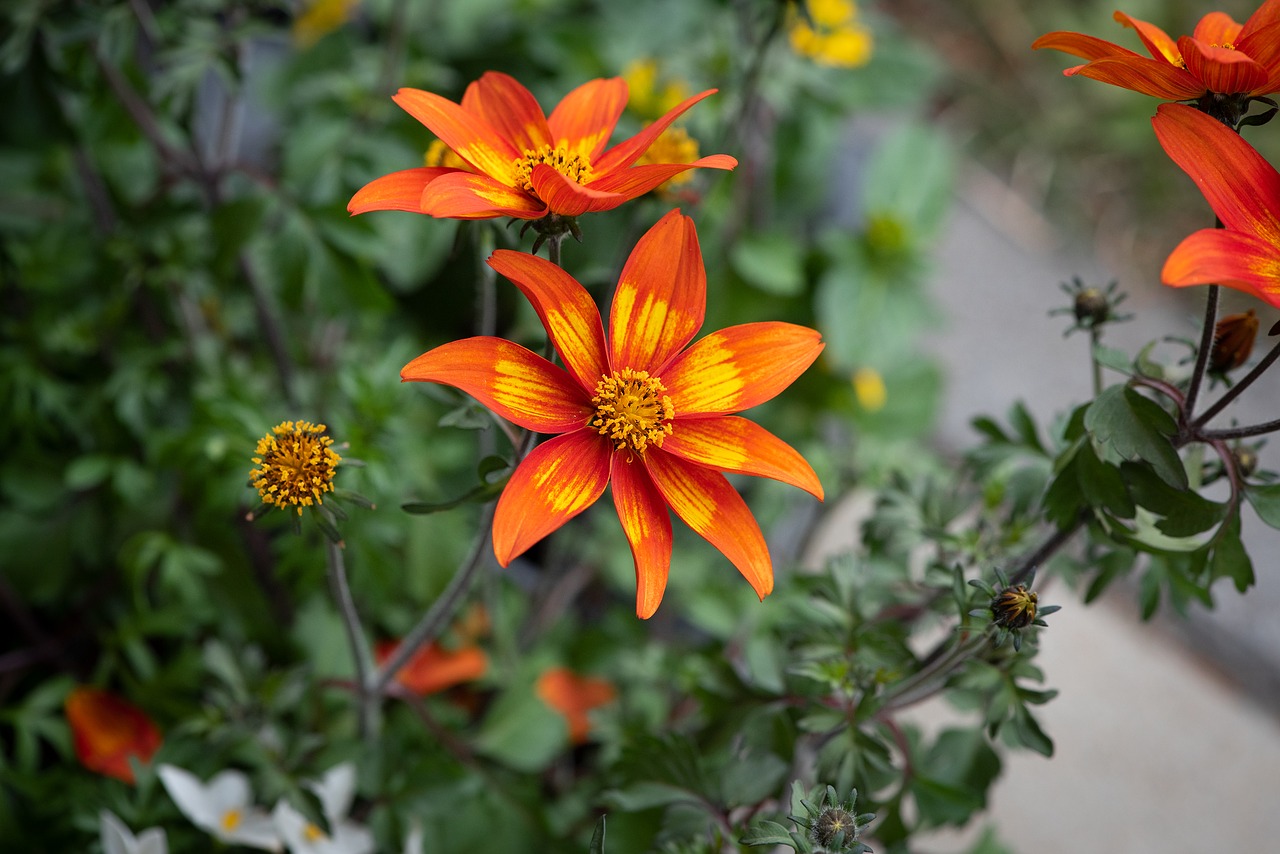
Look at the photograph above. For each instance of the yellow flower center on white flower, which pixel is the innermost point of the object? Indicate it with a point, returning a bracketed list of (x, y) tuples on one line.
[(633, 410), (231, 820), (313, 834), (571, 165)]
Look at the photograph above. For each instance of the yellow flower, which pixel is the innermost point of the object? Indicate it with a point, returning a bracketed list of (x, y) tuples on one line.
[(321, 18), (868, 388), (832, 34), (646, 98), (295, 465), (674, 146)]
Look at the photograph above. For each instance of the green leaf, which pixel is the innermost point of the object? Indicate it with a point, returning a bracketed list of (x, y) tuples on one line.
[(1136, 428), (1230, 560), (597, 838), (771, 262), (479, 494), (1266, 503), (1185, 513), (1101, 484), (1116, 360), (910, 176), (1064, 499), (1027, 731), (767, 833)]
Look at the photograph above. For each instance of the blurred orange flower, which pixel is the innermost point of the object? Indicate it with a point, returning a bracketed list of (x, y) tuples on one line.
[(434, 668), (574, 696), (107, 730), (518, 162), (1220, 56)]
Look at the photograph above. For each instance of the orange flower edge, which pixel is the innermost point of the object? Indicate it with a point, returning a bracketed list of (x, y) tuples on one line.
[(107, 730), (1220, 57), (573, 696), (519, 162), (433, 668), (640, 412)]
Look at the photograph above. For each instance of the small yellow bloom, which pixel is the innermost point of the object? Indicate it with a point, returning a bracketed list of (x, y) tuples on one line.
[(832, 35), (295, 465), (674, 146), (646, 97), (321, 18), (868, 388)]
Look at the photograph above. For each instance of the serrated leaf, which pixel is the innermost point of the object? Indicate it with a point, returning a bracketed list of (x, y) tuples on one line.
[(767, 833), (1230, 560), (1101, 484), (1136, 428), (1185, 513), (1266, 503)]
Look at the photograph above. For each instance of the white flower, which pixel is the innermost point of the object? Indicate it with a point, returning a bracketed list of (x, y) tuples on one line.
[(119, 839), (335, 790), (223, 807), (413, 842)]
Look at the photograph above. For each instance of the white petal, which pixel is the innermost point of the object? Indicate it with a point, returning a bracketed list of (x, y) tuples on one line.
[(292, 826), (413, 842), (255, 830), (229, 790), (352, 838), (336, 790), (153, 841), (116, 837), (191, 797)]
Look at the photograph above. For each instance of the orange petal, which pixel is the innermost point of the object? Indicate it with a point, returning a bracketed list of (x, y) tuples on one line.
[(647, 524), (1263, 45), (567, 311), (1078, 44), (638, 180), (107, 730), (1242, 188), (729, 443), (399, 191), (709, 505), (471, 137), (573, 696), (464, 195), (1158, 42), (433, 668), (1216, 28), (517, 384), (661, 299), (1221, 69), (1229, 258), (584, 119), (558, 480), (510, 109), (739, 367), (1266, 15), (569, 198), (1148, 76), (627, 152)]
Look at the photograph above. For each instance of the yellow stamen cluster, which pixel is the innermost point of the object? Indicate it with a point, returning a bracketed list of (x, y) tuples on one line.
[(314, 834), (439, 154), (295, 465), (835, 37), (230, 820), (674, 145), (569, 164), (633, 410)]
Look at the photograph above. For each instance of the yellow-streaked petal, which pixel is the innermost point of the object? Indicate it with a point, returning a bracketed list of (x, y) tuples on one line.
[(739, 367), (638, 180), (709, 505), (399, 191), (1159, 44), (584, 119), (1242, 188), (628, 151), (569, 198), (730, 443), (558, 480), (510, 109), (464, 195), (1151, 77), (647, 524), (517, 384), (1229, 258), (567, 311), (471, 137), (661, 298), (1079, 44), (1221, 69)]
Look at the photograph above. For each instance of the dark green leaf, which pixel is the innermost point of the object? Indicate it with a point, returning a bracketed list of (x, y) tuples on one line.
[(597, 838), (1266, 502), (1101, 484), (1185, 512), (1136, 428), (1230, 560), (767, 833)]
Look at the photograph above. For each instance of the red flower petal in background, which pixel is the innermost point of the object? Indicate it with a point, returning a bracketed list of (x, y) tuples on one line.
[(434, 668), (107, 730), (574, 696)]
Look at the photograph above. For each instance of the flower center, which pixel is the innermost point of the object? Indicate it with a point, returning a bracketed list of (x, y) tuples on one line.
[(313, 834), (230, 820), (632, 409), (571, 165), (295, 465)]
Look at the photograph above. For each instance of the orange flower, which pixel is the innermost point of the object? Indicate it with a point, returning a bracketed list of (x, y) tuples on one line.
[(639, 412), (573, 696), (434, 668), (1220, 56), (522, 164), (107, 730), (1244, 191)]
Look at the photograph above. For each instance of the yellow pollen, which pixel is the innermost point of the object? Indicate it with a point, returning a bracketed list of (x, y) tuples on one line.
[(295, 465), (571, 165), (313, 833), (230, 820), (633, 410)]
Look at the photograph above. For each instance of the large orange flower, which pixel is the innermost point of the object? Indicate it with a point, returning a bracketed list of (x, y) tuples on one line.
[(1220, 56), (520, 163), (107, 730), (1244, 191), (640, 412)]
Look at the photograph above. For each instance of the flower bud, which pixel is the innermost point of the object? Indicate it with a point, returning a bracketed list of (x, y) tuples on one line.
[(1233, 341), (1014, 607)]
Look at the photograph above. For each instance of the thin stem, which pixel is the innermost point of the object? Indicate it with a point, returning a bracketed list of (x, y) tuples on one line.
[(270, 326), (432, 622), (1047, 549), (1095, 338), (1202, 355), (1234, 392), (1239, 432), (360, 657)]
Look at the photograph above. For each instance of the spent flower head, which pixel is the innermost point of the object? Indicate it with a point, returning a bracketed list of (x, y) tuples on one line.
[(1092, 306)]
